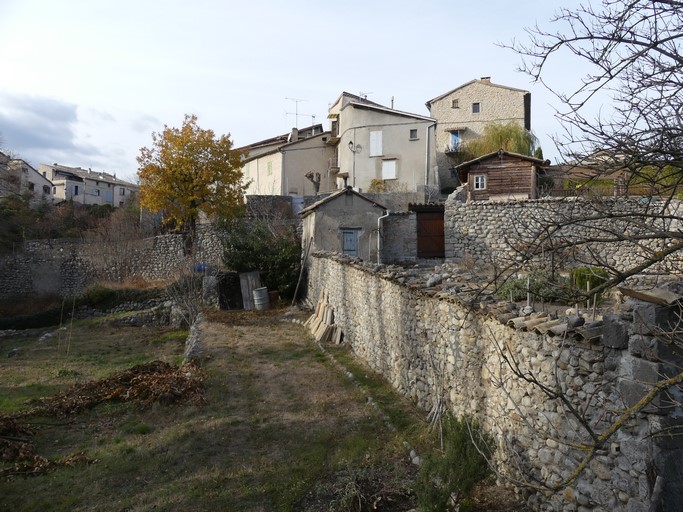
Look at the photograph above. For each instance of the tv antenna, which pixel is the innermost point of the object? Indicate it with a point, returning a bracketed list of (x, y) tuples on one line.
[(364, 95), (296, 112)]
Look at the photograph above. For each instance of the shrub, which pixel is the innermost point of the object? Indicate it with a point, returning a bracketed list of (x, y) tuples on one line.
[(542, 285), (453, 473), (253, 244)]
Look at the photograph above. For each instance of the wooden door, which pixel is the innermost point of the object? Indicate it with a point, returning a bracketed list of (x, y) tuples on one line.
[(430, 237)]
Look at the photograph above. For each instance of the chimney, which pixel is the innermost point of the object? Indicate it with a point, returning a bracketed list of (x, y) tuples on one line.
[(295, 135), (486, 79)]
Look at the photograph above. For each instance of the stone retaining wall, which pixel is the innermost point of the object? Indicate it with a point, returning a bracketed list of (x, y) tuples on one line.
[(434, 349), (67, 267), (499, 233)]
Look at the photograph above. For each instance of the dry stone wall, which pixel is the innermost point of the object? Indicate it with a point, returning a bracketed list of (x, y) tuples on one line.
[(67, 267), (433, 348), (499, 233)]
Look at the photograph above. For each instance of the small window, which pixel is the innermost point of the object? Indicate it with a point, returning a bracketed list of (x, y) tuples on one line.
[(97, 192), (46, 190), (480, 182), (476, 108), (75, 190), (31, 186), (413, 134), (54, 190), (455, 103), (122, 191)]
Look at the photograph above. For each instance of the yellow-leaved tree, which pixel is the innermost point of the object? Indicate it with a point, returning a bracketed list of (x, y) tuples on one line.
[(189, 170)]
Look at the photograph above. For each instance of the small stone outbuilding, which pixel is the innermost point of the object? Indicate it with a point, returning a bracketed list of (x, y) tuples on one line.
[(346, 222)]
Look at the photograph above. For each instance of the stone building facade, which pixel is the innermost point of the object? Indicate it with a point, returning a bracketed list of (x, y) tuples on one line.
[(462, 113)]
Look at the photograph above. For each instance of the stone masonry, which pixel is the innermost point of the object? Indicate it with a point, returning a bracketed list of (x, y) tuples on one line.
[(435, 348)]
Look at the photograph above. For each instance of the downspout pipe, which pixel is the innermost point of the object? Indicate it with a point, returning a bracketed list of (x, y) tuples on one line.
[(379, 236)]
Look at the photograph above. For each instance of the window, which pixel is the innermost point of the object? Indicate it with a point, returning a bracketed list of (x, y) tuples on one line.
[(75, 190), (455, 103), (389, 169), (476, 108), (480, 182), (96, 192), (54, 190), (31, 186), (376, 143), (46, 190), (350, 241), (413, 134), (455, 141), (122, 191)]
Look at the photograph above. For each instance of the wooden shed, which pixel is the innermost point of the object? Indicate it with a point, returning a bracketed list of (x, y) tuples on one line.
[(502, 176)]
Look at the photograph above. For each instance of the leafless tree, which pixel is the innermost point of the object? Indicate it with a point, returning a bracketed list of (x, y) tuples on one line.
[(623, 126)]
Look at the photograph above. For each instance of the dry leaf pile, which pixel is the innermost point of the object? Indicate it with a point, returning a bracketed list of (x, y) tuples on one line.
[(146, 383)]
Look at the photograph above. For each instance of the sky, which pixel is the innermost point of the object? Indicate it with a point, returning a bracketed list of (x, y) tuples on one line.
[(85, 83)]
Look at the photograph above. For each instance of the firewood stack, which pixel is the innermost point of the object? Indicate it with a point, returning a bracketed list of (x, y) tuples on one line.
[(321, 323)]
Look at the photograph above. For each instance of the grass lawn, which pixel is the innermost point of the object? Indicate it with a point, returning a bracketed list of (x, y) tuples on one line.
[(281, 428)]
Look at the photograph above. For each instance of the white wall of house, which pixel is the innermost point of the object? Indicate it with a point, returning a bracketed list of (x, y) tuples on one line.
[(28, 181), (384, 144), (88, 187)]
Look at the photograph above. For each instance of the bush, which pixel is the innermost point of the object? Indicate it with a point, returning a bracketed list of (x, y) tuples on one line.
[(453, 473), (252, 244), (542, 285)]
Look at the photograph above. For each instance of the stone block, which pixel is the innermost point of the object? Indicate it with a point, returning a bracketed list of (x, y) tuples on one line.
[(651, 318), (655, 349), (615, 333)]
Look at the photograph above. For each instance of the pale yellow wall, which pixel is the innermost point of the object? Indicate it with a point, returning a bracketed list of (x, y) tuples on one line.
[(264, 175), (312, 154)]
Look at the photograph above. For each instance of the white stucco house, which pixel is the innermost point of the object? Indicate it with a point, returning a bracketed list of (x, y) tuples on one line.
[(86, 186), (378, 148), (280, 165)]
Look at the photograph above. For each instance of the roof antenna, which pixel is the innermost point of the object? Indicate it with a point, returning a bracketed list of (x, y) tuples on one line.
[(296, 112)]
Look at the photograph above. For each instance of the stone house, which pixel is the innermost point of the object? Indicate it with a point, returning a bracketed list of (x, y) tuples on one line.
[(462, 113), (502, 176), (18, 177), (280, 165), (86, 186), (28, 181), (381, 149), (346, 222)]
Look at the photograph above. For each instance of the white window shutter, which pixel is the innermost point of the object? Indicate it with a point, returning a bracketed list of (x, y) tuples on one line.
[(375, 143)]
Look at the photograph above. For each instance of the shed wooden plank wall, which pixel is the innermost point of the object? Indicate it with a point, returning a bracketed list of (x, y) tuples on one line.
[(505, 177)]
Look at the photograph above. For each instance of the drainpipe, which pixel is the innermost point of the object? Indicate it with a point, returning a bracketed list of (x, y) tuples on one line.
[(427, 155), (379, 236)]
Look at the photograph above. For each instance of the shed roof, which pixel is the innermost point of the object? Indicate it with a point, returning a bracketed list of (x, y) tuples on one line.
[(499, 154), (348, 190)]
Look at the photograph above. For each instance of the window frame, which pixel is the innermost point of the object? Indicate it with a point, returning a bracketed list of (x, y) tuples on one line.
[(476, 107), (413, 134), (479, 182), (386, 169)]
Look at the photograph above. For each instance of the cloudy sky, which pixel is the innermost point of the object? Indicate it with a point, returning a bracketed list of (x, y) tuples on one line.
[(86, 82)]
